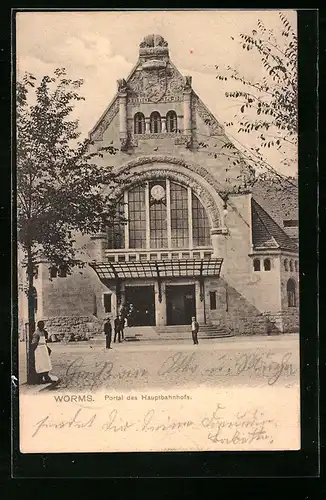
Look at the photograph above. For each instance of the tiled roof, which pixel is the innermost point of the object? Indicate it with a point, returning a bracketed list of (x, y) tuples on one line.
[(266, 233)]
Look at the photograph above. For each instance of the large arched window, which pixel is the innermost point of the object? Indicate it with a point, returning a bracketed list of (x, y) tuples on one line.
[(291, 293), (200, 224), (155, 123), (139, 123), (171, 121), (160, 214)]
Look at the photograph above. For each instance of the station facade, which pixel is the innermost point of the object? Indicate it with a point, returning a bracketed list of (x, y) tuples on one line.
[(196, 242)]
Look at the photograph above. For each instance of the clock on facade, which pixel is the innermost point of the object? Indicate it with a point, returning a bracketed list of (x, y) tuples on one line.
[(158, 192)]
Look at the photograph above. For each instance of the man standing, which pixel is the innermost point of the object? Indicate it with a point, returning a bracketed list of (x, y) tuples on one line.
[(108, 333), (122, 325), (194, 330), (117, 329)]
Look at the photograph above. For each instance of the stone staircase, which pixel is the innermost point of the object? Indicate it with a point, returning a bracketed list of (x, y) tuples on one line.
[(175, 332)]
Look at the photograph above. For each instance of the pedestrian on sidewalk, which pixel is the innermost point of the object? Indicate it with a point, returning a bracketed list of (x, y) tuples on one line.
[(117, 329), (41, 353), (194, 330), (108, 333)]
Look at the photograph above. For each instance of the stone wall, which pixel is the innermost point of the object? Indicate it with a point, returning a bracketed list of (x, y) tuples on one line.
[(64, 325)]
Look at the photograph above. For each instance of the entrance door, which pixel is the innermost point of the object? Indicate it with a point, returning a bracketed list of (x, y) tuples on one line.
[(180, 304), (142, 299)]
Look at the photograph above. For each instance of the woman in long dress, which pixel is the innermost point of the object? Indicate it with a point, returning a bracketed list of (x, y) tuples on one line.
[(41, 351)]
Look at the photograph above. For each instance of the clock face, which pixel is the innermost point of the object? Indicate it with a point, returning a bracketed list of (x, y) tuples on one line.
[(158, 192)]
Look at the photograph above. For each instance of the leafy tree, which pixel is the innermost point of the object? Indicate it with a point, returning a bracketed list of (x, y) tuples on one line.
[(267, 107), (62, 186)]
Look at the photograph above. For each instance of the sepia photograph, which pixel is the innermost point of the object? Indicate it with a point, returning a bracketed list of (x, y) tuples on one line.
[(157, 230)]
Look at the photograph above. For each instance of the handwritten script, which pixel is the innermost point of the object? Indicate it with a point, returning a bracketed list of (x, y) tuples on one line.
[(242, 428)]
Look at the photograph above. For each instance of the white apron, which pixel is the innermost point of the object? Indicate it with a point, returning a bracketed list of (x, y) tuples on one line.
[(42, 357)]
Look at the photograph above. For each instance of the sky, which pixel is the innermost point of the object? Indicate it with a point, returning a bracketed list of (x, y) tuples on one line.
[(101, 47)]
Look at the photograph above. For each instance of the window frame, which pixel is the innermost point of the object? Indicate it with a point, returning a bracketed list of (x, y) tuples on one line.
[(256, 261), (291, 293), (155, 122), (139, 123), (171, 117), (267, 264)]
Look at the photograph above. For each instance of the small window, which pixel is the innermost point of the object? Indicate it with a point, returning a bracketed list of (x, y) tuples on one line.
[(171, 121), (107, 302), (155, 123), (256, 265), (212, 300), (207, 255), (153, 256), (62, 273), (121, 258), (296, 266), (291, 293), (267, 264), (139, 123), (286, 265), (164, 256), (53, 271), (186, 255), (196, 255), (35, 272), (132, 258), (111, 258), (291, 266), (175, 256), (143, 256)]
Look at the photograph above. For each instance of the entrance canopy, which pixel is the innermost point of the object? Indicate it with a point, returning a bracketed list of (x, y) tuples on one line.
[(158, 269)]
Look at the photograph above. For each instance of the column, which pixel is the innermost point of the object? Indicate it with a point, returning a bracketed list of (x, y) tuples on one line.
[(187, 112), (123, 115), (126, 215), (147, 125), (160, 307), (190, 217), (200, 305), (168, 211), (148, 232), (163, 120)]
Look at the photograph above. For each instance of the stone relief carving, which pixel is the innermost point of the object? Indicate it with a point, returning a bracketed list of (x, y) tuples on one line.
[(205, 197), (174, 161), (97, 134), (207, 116), (187, 82), (154, 85), (163, 135), (122, 85), (153, 41), (184, 140)]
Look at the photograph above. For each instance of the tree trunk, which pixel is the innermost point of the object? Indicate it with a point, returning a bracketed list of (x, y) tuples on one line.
[(31, 316)]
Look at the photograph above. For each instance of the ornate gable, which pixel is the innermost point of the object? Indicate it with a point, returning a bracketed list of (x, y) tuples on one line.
[(155, 79)]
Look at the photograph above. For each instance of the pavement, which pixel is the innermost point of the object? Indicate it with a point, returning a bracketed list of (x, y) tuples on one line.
[(233, 361)]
